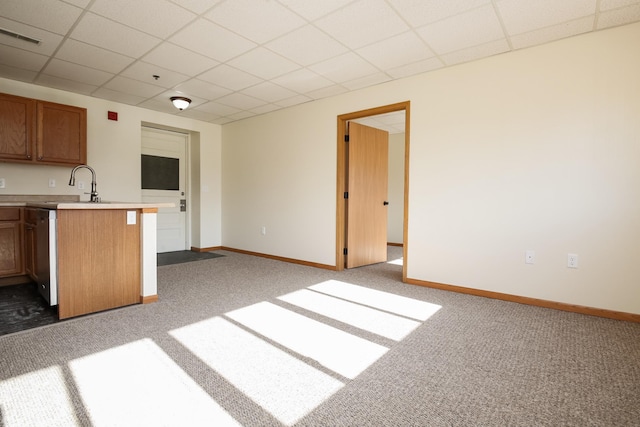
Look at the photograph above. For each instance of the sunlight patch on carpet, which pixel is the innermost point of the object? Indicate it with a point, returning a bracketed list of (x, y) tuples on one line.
[(284, 386), (340, 351), (21, 401), (369, 319), (139, 384), (404, 306)]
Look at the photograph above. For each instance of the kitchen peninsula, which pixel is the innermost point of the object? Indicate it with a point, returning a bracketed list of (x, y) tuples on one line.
[(102, 255)]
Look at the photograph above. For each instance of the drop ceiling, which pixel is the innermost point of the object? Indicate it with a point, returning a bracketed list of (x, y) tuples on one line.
[(239, 58)]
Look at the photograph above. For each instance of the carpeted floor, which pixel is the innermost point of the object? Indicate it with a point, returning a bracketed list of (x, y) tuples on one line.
[(22, 307), (242, 340), (179, 257)]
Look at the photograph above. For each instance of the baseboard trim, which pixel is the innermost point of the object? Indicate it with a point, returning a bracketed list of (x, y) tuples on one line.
[(279, 258), (395, 244), (591, 311), (148, 299), (212, 248)]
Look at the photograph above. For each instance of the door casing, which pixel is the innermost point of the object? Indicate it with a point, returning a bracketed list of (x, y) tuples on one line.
[(341, 179)]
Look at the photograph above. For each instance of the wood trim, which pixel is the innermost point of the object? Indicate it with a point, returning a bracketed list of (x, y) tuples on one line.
[(278, 258), (341, 176), (212, 248), (148, 299), (591, 311), (149, 210)]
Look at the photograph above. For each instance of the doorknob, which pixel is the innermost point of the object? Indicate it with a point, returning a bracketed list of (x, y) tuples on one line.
[(385, 203)]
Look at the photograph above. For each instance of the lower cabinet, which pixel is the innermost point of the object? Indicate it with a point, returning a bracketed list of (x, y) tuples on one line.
[(11, 258), (98, 260)]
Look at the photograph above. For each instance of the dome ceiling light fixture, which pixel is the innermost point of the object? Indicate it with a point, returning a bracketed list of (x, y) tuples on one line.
[(180, 102)]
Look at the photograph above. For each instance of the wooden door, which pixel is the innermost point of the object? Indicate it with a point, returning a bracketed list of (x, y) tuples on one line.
[(367, 163)]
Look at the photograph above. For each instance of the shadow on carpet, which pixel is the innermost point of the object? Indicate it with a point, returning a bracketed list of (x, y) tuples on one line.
[(178, 257), (22, 307)]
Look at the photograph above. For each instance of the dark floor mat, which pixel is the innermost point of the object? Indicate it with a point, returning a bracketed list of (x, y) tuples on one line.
[(22, 307), (178, 257)]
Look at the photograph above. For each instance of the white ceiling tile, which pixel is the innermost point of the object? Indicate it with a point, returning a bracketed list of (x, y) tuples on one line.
[(22, 59), (229, 77), (416, 68), (79, 3), (422, 12), (396, 51), (263, 63), (164, 106), (312, 10), (472, 53), (198, 115), (197, 6), (95, 57), (555, 32), (366, 81), (79, 73), (64, 84), (49, 41), (259, 21), (328, 91), (221, 121), (50, 15), (480, 26), (102, 32), (344, 68), (362, 23), (202, 88), (179, 59), (294, 100), (134, 87), (156, 17), (303, 80), (624, 15), (241, 101), (615, 4), (307, 45), (268, 92), (242, 115), (524, 16), (17, 73), (267, 108), (144, 72), (217, 109), (212, 40), (113, 95)]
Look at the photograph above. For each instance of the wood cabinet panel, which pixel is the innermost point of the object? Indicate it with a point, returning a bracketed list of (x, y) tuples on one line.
[(40, 132), (11, 259), (98, 261), (61, 134), (17, 127)]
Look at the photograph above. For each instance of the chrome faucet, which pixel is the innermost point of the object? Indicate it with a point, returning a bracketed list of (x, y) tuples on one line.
[(72, 182)]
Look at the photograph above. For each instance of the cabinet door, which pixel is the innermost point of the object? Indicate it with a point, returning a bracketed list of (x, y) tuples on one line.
[(61, 134), (10, 249), (17, 127)]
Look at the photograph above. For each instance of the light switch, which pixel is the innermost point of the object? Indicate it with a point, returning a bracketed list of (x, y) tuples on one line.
[(131, 217)]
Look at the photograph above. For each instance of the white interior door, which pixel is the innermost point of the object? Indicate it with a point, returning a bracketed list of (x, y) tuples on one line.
[(164, 180)]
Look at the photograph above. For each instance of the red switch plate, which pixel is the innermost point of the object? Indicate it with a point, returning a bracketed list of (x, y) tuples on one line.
[(112, 115)]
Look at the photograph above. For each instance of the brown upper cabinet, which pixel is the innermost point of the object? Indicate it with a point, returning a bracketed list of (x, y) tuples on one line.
[(34, 131)]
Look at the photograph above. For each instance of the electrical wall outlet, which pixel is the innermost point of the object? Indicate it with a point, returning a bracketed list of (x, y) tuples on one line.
[(530, 257), (80, 185), (572, 260), (263, 230), (2, 183), (52, 183)]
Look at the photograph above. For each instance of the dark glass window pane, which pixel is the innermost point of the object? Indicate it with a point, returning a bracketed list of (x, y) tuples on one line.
[(160, 173)]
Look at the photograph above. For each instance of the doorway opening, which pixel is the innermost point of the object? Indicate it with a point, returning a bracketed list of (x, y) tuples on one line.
[(343, 174)]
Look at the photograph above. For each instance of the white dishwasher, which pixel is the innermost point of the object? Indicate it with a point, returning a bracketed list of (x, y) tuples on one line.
[(47, 255)]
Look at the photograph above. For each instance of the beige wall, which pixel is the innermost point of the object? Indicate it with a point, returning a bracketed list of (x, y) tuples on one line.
[(535, 149), (395, 211), (113, 150)]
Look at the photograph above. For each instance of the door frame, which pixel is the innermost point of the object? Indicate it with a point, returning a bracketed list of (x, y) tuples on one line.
[(341, 179)]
